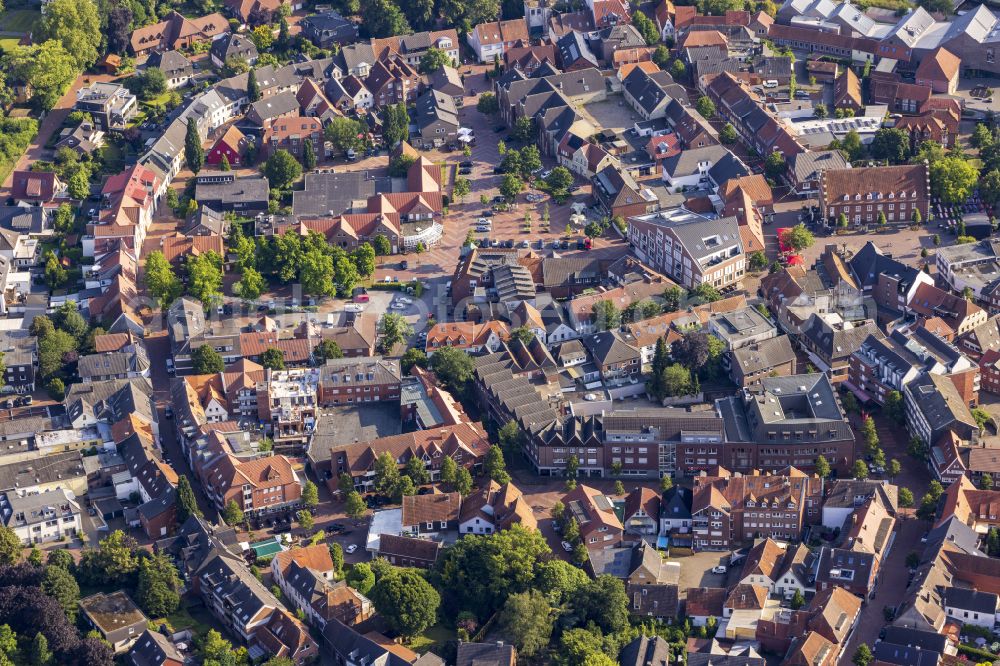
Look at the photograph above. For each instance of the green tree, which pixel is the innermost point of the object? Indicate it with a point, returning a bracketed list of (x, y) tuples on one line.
[(59, 583), (250, 285), (345, 133), (523, 130), (194, 154), (253, 88), (705, 107), (488, 104), (433, 60), (46, 66), (862, 656), (10, 546), (396, 123), (78, 186), (705, 293), (463, 482), (953, 179), (273, 359), (76, 25), (727, 135), (511, 186), (894, 407), (161, 282), (113, 563), (661, 56), (413, 356), (646, 27), (306, 520), (822, 467), (205, 277), (406, 601), (890, 144), (386, 473), (232, 514), (39, 653), (905, 497), (798, 601), (187, 506), (559, 180), (354, 505), (383, 18), (860, 470), (602, 601), (449, 470), (158, 589), (494, 465), (606, 316), (461, 188), (308, 155), (206, 361), (870, 434), (326, 350), (310, 494), (526, 619), (394, 330), (417, 471), (798, 238), (453, 367), (775, 166), (986, 481), (678, 70), (282, 169), (361, 578), (381, 245), (53, 352), (55, 274)]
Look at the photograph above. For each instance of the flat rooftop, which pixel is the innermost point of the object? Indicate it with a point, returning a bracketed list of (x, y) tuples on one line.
[(337, 427)]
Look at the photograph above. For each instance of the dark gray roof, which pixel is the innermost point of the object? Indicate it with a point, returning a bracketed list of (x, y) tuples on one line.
[(809, 165), (171, 63), (611, 347), (763, 355), (615, 562), (838, 343), (648, 90), (484, 654), (840, 566), (728, 167), (246, 189), (903, 655), (939, 402), (152, 649), (870, 262), (348, 643), (433, 106), (955, 532), (852, 493), (232, 45), (686, 162), (113, 363), (676, 504), (925, 640), (49, 469), (573, 47), (275, 106), (334, 193), (646, 651), (971, 600), (706, 659)]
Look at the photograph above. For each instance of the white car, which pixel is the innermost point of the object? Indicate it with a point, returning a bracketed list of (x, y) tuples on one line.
[(567, 546), (350, 549), (407, 301), (719, 569), (388, 278)]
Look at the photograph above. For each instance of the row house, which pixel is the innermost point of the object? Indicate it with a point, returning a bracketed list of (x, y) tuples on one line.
[(287, 403), (351, 380), (731, 509), (882, 365), (934, 406), (306, 576), (292, 133), (490, 41), (176, 31), (413, 47), (738, 105), (258, 486), (821, 42)]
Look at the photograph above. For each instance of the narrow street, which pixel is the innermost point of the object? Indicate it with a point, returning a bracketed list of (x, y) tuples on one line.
[(159, 348)]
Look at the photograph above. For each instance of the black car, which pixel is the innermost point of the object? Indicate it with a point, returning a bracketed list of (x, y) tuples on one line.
[(467, 164), (497, 171), (580, 245), (573, 188), (498, 199), (565, 244), (404, 264), (499, 128), (508, 243), (486, 213)]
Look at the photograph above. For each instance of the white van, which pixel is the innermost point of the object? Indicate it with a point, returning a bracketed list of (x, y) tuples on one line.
[(770, 83)]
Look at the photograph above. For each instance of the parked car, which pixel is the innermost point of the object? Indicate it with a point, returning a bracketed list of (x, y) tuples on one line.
[(350, 549), (720, 569), (486, 213), (404, 264), (467, 164), (567, 546)]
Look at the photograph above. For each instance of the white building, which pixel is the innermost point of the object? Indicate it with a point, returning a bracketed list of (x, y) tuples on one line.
[(42, 517)]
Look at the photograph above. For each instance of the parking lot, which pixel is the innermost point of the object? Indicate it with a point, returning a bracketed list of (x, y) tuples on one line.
[(696, 570)]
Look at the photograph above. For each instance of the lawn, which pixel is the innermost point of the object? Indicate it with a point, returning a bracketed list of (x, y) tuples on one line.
[(8, 44), (182, 619), (19, 20), (432, 639)]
